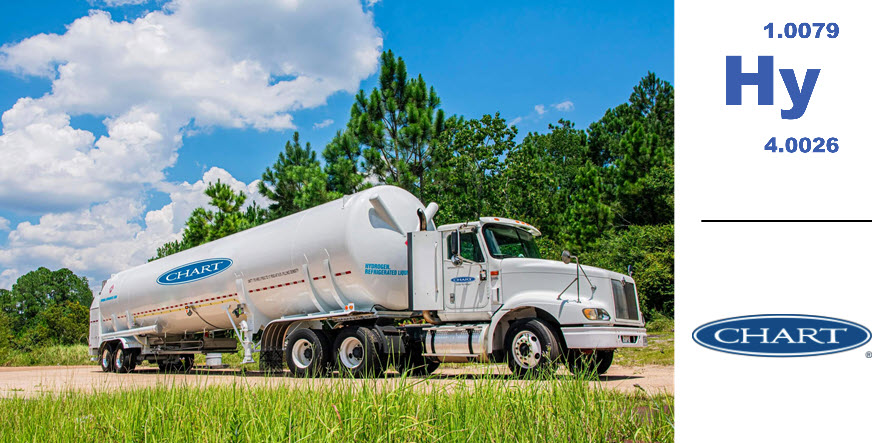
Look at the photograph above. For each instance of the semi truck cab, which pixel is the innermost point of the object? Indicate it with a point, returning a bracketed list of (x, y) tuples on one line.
[(487, 277)]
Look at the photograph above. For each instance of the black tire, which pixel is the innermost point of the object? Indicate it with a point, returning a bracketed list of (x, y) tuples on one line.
[(357, 352), (414, 364), (592, 364), (106, 357), (124, 360), (530, 346), (307, 353)]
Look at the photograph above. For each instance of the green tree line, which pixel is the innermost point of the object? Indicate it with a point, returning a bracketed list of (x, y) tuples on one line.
[(604, 192)]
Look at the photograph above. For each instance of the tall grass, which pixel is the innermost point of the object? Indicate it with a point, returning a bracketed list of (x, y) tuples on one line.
[(58, 355), (408, 409)]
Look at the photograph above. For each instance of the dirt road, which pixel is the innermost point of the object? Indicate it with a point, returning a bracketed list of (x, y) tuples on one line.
[(31, 381)]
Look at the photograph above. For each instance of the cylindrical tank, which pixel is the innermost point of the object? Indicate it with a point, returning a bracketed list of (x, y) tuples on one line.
[(349, 251)]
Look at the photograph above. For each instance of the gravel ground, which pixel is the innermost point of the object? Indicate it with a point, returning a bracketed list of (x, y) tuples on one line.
[(32, 381)]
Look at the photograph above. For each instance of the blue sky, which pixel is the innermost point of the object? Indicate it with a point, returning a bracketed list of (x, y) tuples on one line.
[(482, 57)]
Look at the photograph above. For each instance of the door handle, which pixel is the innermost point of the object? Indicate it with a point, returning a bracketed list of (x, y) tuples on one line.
[(482, 275)]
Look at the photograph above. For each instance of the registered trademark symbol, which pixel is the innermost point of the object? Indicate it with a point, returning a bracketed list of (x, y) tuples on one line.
[(868, 354)]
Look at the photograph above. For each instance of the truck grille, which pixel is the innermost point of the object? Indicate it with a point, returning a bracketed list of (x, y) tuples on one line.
[(625, 302)]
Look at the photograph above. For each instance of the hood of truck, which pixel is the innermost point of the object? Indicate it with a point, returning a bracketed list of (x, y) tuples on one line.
[(549, 280), (534, 265)]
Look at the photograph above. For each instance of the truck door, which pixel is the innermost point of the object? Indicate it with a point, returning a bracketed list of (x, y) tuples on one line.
[(465, 279)]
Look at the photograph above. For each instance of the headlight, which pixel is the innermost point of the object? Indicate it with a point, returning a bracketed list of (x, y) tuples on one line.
[(596, 314)]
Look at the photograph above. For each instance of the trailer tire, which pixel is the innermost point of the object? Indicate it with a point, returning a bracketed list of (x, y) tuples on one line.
[(594, 364), (357, 352), (124, 360), (106, 357), (530, 346), (307, 353)]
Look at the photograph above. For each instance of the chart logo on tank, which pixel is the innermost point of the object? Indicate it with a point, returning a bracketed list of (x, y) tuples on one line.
[(463, 279), (782, 335), (194, 271)]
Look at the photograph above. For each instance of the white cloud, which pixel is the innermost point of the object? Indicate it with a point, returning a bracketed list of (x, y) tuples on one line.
[(564, 106), (111, 236), (323, 124), (540, 109), (515, 121), (4, 224), (194, 64)]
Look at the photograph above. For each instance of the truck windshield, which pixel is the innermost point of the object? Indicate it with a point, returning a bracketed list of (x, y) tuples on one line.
[(508, 241)]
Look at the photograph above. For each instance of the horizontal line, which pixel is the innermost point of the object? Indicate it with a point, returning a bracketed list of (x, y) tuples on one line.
[(786, 221)]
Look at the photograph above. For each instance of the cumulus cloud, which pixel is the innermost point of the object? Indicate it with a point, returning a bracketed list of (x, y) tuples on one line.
[(564, 106), (194, 64), (540, 109), (4, 224), (111, 236), (323, 124)]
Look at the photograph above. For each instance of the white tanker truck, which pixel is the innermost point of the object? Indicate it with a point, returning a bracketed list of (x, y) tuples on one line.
[(362, 282)]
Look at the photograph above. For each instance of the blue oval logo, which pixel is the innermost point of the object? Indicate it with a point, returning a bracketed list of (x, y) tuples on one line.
[(197, 270), (463, 279), (782, 335)]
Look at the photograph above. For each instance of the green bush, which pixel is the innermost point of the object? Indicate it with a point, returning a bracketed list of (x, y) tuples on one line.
[(651, 252)]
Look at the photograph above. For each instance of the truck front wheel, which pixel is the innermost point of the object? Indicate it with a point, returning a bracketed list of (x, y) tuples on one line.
[(357, 352), (530, 346), (308, 353), (591, 364)]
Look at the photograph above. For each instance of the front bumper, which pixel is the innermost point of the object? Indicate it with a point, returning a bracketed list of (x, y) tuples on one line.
[(604, 337)]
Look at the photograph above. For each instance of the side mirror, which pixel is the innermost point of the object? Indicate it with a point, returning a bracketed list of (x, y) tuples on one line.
[(629, 270), (566, 257), (456, 259)]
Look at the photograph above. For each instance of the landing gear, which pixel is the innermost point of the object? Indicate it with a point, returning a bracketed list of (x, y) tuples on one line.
[(308, 353), (357, 352), (591, 364), (530, 346)]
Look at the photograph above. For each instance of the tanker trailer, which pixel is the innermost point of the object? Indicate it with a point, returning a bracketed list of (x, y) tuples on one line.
[(362, 282)]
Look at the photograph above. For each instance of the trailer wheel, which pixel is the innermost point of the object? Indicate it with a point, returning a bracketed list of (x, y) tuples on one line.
[(107, 357), (123, 360), (308, 353), (592, 364), (357, 352), (530, 346)]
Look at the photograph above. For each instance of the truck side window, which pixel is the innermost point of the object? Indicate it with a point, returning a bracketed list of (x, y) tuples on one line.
[(469, 247)]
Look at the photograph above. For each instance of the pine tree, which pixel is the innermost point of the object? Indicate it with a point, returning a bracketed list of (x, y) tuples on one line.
[(396, 124)]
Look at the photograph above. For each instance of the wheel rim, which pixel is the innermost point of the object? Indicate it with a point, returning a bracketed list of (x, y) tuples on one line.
[(351, 352), (105, 359), (302, 353), (118, 360), (527, 350)]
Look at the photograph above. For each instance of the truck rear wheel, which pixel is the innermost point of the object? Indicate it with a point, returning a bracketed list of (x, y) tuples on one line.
[(530, 346), (357, 352), (591, 364), (308, 353), (106, 359)]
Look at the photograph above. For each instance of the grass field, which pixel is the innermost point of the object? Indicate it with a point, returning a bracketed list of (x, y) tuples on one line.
[(555, 409)]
